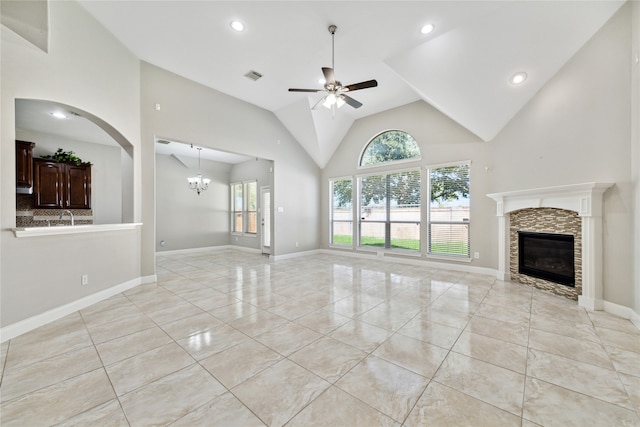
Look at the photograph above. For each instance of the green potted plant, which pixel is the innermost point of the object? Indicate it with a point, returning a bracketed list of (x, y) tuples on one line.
[(65, 157)]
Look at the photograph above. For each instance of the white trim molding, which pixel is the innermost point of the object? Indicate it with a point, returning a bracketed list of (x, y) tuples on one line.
[(586, 200), (72, 229), (208, 249), (419, 261), (23, 326)]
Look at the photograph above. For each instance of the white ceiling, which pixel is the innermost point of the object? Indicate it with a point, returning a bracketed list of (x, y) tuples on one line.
[(181, 150), (36, 115), (462, 68)]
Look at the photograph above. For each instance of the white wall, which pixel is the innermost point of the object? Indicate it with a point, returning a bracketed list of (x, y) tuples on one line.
[(184, 219), (635, 142), (576, 129), (208, 118), (88, 69), (106, 170)]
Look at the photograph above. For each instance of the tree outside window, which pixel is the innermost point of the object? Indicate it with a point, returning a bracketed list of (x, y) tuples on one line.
[(237, 202), (449, 212), (244, 207), (341, 212), (252, 206), (390, 205), (388, 147)]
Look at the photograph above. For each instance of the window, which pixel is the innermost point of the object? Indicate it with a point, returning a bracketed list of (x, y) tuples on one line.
[(390, 210), (341, 214), (390, 207), (236, 207), (251, 194), (390, 146), (244, 208), (448, 214)]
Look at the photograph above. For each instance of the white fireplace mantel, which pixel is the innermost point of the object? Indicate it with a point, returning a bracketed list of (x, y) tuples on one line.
[(586, 200)]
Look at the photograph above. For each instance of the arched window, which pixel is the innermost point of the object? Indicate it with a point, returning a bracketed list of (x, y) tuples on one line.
[(390, 146)]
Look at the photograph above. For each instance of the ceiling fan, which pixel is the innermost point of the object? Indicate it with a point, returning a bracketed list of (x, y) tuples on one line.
[(336, 93)]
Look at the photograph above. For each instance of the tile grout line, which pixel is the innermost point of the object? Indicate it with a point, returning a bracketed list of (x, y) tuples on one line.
[(526, 366), (447, 355), (104, 369)]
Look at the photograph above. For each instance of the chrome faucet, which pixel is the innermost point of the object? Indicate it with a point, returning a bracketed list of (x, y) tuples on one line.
[(70, 214)]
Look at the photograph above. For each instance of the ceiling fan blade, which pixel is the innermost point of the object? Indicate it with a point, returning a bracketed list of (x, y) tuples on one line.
[(328, 76), (317, 104), (351, 101), (305, 90), (363, 85)]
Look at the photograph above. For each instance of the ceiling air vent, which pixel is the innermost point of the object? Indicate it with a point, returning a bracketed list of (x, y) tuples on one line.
[(253, 75)]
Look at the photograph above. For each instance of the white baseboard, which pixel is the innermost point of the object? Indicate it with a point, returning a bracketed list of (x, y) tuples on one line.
[(622, 311), (208, 249), (411, 261), (245, 249), (26, 325), (294, 255), (590, 304), (194, 250)]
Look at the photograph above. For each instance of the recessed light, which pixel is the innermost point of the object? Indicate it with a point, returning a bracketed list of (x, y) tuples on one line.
[(427, 28), (322, 81), (59, 115), (518, 78), (237, 26)]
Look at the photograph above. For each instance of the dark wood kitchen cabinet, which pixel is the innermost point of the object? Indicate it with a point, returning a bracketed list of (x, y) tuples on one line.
[(61, 185), (24, 166)]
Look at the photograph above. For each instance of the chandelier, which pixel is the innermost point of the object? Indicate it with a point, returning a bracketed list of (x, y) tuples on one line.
[(198, 183)]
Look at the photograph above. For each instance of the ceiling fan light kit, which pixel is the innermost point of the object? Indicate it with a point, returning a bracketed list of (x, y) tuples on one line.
[(335, 94)]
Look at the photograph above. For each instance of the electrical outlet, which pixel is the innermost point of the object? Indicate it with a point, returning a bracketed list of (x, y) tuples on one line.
[(476, 255), (85, 279), (297, 244)]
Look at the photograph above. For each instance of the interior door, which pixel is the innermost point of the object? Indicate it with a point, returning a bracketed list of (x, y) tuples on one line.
[(265, 219)]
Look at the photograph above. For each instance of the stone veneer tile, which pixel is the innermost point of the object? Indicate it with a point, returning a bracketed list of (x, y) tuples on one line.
[(546, 220), (27, 216)]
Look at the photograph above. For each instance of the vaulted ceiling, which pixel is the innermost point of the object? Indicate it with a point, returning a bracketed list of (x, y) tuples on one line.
[(462, 68)]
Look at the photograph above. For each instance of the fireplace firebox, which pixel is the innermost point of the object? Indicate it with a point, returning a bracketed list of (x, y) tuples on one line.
[(547, 256)]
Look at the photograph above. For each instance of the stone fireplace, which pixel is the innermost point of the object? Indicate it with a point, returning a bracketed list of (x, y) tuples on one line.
[(551, 223), (568, 210)]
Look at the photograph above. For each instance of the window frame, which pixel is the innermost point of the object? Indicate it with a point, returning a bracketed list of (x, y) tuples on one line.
[(390, 162), (388, 223), (248, 211), (438, 255), (233, 211), (331, 211), (245, 210)]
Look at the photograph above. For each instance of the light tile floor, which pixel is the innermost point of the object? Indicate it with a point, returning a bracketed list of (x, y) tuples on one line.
[(228, 338)]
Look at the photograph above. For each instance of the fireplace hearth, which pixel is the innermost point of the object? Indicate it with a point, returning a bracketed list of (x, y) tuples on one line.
[(547, 256)]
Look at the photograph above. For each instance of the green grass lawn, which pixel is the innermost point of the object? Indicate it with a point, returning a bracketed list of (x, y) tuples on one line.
[(342, 239), (448, 248)]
